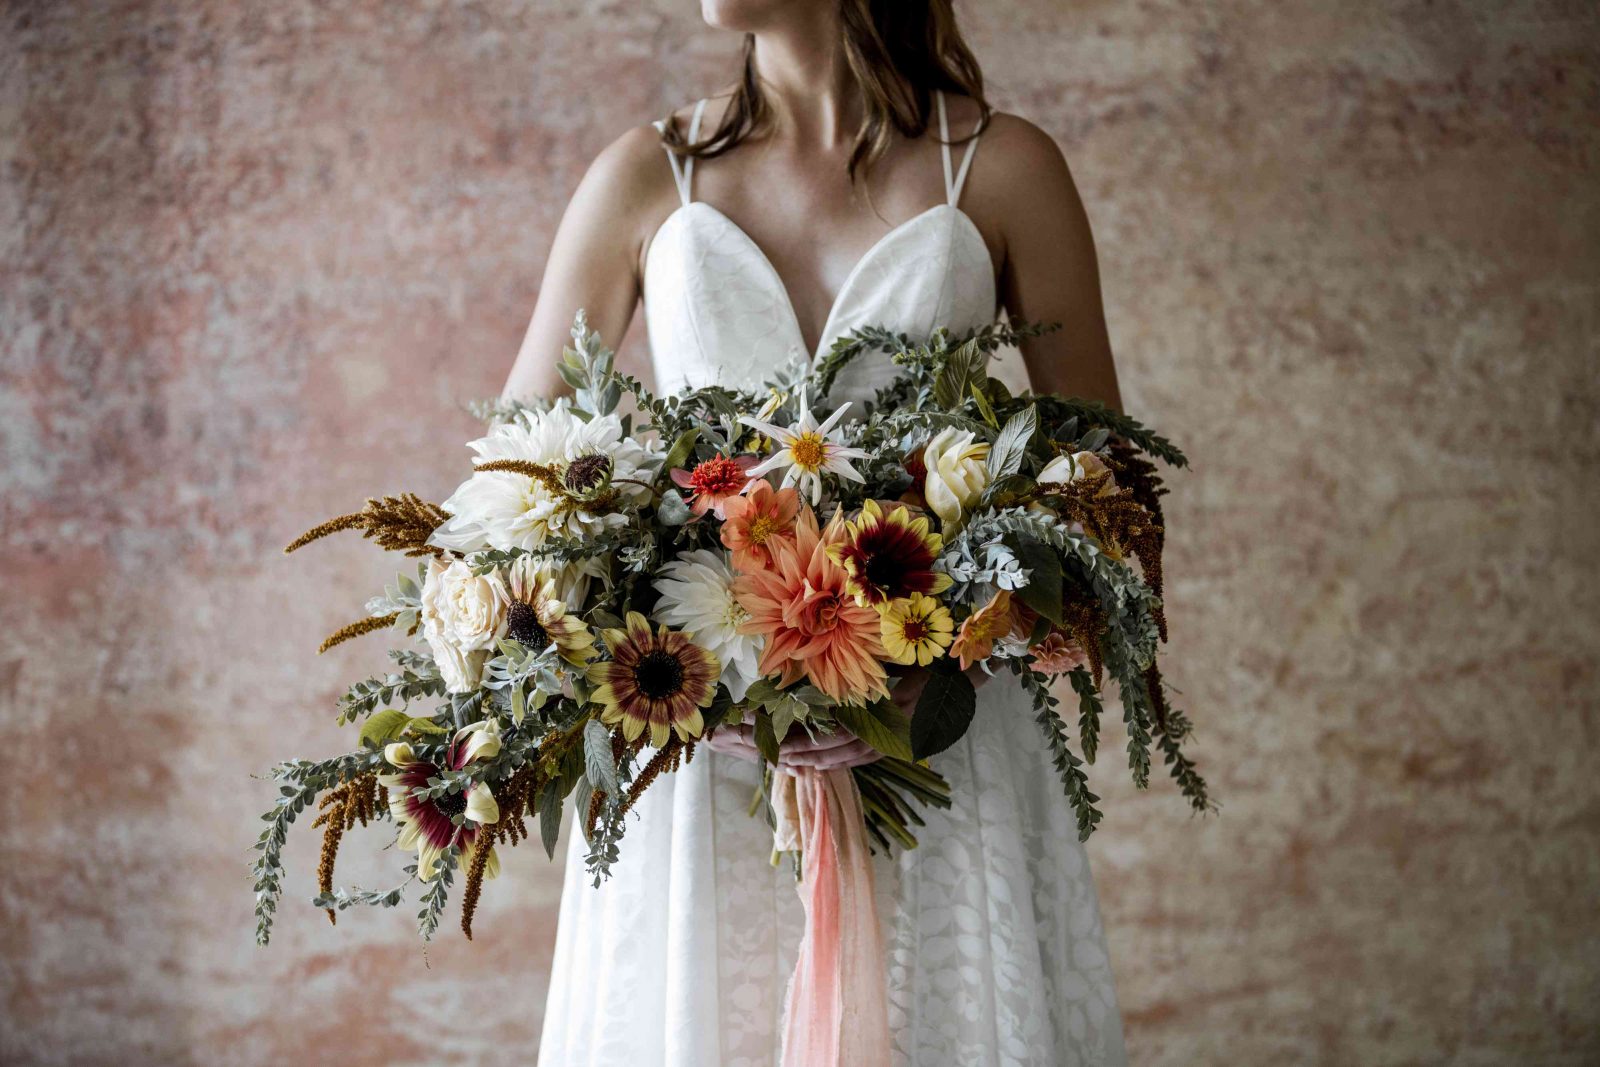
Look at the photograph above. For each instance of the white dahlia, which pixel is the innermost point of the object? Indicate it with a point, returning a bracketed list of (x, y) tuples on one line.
[(504, 510), (697, 597)]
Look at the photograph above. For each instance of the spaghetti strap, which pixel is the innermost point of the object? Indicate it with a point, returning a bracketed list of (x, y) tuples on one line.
[(953, 185), (683, 166)]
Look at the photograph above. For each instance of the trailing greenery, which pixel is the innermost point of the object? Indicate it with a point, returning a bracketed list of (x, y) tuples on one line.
[(1058, 549)]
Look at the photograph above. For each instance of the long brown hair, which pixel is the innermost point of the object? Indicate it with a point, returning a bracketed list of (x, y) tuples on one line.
[(899, 51)]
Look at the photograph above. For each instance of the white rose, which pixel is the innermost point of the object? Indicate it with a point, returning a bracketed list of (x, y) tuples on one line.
[(1075, 468), (958, 472), (463, 615)]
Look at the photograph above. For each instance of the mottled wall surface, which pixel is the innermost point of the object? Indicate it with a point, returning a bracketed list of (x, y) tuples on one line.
[(253, 255)]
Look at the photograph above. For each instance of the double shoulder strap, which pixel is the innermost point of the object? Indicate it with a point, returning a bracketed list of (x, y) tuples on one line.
[(952, 186), (683, 166)]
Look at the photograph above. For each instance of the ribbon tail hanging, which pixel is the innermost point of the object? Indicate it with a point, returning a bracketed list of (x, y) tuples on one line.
[(837, 1012)]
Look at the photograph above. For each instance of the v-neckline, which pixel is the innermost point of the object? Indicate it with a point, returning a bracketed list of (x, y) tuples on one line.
[(844, 287)]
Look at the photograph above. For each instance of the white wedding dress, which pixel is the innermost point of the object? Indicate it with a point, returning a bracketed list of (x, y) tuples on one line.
[(996, 956)]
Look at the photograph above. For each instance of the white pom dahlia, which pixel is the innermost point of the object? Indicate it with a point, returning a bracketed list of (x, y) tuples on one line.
[(697, 597), (504, 509)]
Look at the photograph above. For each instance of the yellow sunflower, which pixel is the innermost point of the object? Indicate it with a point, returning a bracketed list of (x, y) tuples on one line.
[(658, 680), (889, 556), (916, 630)]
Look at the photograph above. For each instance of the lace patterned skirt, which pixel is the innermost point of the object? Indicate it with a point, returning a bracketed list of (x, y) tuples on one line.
[(996, 953)]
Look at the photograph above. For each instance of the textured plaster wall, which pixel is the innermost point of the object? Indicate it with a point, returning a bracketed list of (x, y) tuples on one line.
[(253, 255)]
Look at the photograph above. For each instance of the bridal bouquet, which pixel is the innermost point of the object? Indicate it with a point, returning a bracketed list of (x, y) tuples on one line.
[(608, 590)]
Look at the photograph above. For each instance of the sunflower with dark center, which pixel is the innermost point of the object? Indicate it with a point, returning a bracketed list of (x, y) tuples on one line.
[(890, 556), (537, 619), (432, 824), (655, 680), (587, 475)]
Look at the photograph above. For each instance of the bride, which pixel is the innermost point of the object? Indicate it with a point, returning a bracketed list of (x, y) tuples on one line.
[(853, 175)]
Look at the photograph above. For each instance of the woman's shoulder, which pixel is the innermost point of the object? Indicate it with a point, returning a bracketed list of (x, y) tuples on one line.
[(1017, 167), (635, 164)]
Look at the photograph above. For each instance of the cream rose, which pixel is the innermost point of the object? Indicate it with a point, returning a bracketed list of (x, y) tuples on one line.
[(1075, 468), (958, 472), (463, 615)]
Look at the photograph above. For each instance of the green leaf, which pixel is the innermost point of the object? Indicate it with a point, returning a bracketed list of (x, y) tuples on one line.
[(550, 815), (424, 726), (384, 726), (950, 387), (599, 766), (1005, 458), (811, 695), (881, 725), (983, 406), (766, 738), (681, 449), (571, 375), (944, 711), (782, 712), (1043, 591)]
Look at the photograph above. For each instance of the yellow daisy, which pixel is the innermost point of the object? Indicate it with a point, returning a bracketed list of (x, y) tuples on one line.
[(916, 630)]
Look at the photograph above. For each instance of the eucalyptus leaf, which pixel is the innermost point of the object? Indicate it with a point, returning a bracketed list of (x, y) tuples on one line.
[(672, 511)]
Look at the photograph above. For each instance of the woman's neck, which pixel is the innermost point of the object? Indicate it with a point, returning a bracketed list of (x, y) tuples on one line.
[(807, 80)]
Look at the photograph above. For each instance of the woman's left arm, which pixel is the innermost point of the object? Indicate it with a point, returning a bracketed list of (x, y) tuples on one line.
[(1050, 272)]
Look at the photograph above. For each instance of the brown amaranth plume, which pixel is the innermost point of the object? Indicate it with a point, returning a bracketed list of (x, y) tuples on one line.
[(397, 523)]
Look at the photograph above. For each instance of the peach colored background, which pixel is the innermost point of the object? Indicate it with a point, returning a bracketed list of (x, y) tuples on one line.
[(253, 255)]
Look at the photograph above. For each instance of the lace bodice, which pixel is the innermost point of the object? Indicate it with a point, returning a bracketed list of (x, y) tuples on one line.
[(718, 312)]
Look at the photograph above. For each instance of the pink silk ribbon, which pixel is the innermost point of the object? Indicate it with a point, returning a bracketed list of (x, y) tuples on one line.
[(837, 1013)]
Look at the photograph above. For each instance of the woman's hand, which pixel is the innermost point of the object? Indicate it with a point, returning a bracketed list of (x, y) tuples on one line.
[(826, 752)]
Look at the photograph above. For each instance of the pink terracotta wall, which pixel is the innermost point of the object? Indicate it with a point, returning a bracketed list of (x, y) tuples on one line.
[(252, 256)]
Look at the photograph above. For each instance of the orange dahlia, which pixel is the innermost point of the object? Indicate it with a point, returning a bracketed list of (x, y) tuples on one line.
[(814, 627), (889, 556), (658, 680), (982, 629), (757, 522)]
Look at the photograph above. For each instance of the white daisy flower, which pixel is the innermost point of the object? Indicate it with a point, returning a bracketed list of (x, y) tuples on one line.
[(808, 450), (697, 597), (504, 510)]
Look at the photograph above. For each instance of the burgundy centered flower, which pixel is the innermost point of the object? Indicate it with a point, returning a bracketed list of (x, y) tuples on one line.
[(432, 824), (890, 555)]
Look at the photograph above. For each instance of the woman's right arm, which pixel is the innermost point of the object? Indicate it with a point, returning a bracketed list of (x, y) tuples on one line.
[(594, 263)]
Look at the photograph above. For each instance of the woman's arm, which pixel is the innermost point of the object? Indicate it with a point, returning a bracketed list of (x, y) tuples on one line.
[(1050, 273), (594, 261)]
